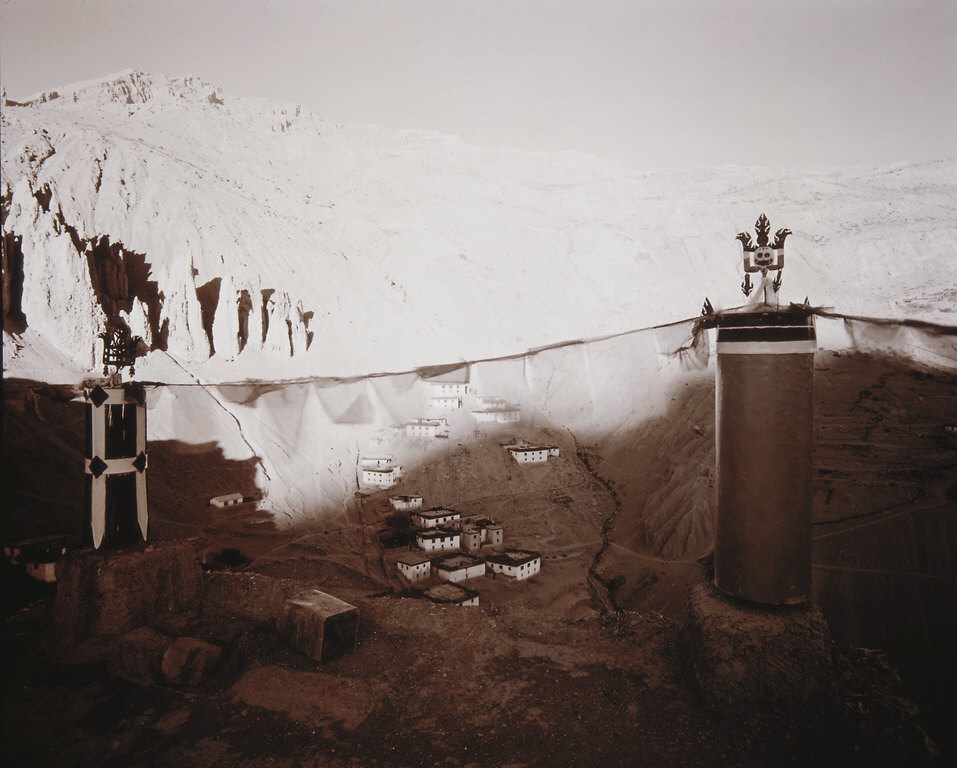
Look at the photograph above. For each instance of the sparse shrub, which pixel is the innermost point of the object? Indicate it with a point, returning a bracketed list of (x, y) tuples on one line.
[(228, 558)]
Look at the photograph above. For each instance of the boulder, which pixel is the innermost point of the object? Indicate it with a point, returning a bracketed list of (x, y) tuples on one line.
[(744, 653), (138, 655), (319, 625), (189, 660)]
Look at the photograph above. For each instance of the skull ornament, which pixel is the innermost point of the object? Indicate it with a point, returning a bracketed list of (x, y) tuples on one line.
[(763, 257)]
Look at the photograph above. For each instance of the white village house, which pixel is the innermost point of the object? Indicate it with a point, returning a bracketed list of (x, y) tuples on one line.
[(414, 566), (490, 401), (406, 502), (438, 539), (38, 555), (458, 567), (436, 516), (532, 454), (379, 471), (227, 500), (449, 389), (447, 403), (515, 564), (506, 414), (427, 428), (477, 533)]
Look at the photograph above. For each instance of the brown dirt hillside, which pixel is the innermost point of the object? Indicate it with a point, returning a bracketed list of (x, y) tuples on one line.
[(540, 674), (884, 509)]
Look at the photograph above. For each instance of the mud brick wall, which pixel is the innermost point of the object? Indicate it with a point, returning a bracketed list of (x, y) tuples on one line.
[(110, 592), (248, 595)]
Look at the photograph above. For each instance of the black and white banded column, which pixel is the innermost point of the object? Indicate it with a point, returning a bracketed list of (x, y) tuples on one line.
[(764, 436), (116, 462)]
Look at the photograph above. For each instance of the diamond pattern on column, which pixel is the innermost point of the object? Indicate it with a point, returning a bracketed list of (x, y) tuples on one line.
[(98, 396), (98, 466)]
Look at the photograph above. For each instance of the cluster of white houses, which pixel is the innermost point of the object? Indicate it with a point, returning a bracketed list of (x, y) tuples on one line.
[(383, 472), (451, 396), (448, 548), (461, 566)]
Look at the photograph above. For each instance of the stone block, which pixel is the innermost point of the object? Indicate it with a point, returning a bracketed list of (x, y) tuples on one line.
[(319, 625), (138, 655), (110, 592), (744, 653), (189, 660)]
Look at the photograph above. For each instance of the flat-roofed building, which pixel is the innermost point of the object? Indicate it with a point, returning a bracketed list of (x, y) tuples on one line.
[(427, 428), (449, 388), (491, 402), (515, 564), (384, 477), (436, 516), (415, 566), (452, 594), (406, 502), (477, 533), (458, 566), (438, 539), (227, 499), (506, 414), (532, 454), (38, 555)]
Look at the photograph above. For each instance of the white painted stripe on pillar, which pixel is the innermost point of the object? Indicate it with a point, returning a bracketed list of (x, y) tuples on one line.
[(98, 509), (99, 431), (121, 466), (98, 494), (142, 517), (807, 346)]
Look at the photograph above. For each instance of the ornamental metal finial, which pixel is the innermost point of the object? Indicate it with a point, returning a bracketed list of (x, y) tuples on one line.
[(119, 350), (763, 258)]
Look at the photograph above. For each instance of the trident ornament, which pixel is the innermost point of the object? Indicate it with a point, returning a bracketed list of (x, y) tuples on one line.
[(762, 257), (119, 350)]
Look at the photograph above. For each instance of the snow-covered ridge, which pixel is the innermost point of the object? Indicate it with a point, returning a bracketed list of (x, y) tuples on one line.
[(128, 87), (214, 224)]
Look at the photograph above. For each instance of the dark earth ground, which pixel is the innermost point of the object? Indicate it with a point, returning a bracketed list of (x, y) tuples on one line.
[(541, 673)]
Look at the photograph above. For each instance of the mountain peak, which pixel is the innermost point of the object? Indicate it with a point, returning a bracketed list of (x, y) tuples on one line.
[(129, 86)]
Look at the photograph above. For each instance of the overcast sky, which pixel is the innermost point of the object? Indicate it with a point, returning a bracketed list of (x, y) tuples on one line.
[(651, 82)]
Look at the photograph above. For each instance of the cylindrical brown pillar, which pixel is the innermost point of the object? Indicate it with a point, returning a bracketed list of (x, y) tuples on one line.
[(765, 422)]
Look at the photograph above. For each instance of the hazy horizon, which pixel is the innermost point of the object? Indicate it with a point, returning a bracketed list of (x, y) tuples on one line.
[(691, 82)]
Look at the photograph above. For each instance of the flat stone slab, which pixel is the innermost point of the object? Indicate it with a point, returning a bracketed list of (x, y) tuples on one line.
[(743, 653), (319, 625)]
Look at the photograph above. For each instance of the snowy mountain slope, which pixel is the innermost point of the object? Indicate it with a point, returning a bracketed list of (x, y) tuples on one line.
[(392, 250), (246, 241)]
